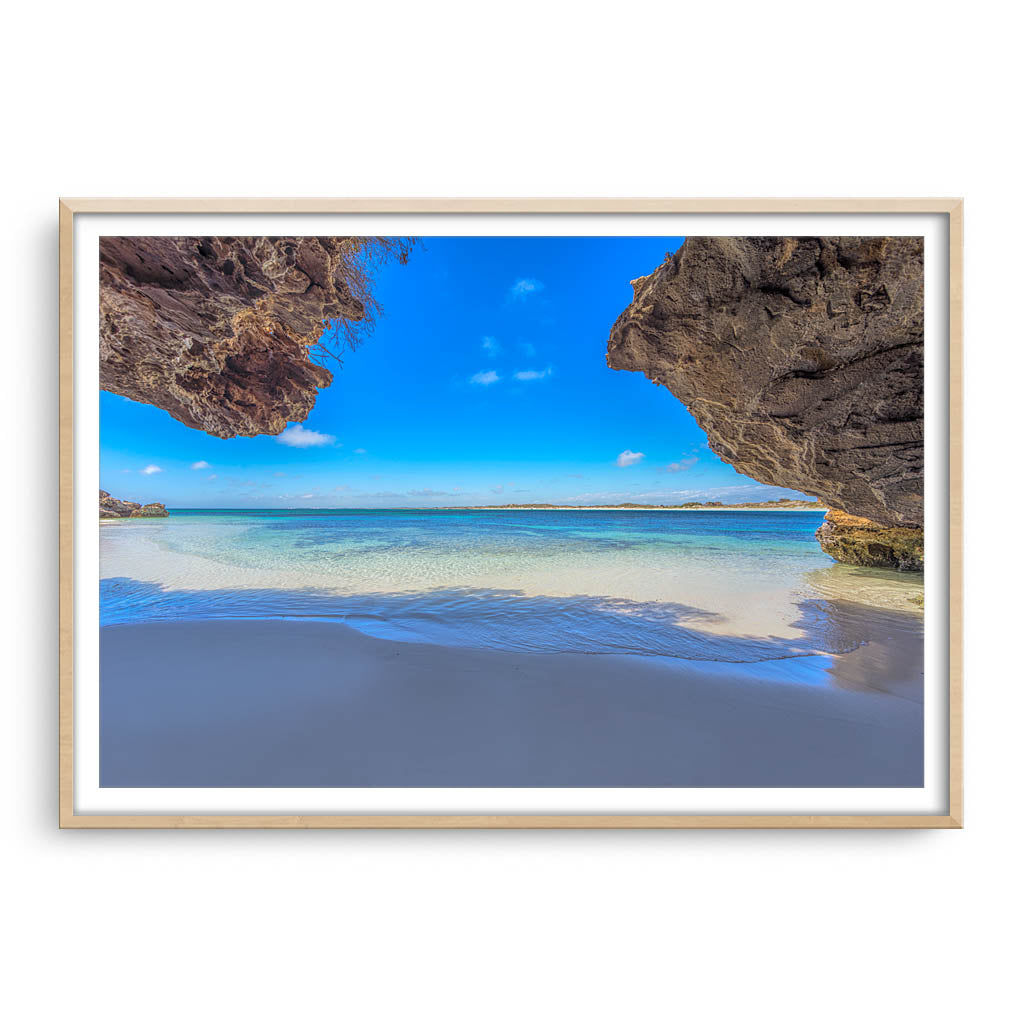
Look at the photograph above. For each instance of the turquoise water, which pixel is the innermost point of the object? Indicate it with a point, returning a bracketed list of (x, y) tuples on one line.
[(711, 586)]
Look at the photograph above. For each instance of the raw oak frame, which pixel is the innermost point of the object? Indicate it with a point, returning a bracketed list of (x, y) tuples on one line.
[(951, 207)]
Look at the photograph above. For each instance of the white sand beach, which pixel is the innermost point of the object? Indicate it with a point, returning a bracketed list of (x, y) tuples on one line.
[(288, 703)]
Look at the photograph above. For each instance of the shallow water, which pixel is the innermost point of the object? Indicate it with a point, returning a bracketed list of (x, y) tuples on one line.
[(736, 587)]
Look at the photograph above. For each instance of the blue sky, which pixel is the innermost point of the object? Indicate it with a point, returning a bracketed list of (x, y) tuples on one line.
[(484, 382)]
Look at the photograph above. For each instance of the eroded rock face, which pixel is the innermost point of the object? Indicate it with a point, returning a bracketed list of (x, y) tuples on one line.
[(115, 508), (217, 331), (858, 541), (801, 358)]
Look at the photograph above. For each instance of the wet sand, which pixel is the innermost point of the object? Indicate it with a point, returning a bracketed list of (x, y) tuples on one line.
[(303, 704)]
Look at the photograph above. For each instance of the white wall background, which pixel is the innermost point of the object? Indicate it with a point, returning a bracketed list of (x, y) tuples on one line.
[(876, 98)]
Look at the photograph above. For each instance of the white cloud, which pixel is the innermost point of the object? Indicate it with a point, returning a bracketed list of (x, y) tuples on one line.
[(150, 470), (491, 345), (628, 458), (682, 465), (500, 489), (297, 436), (359, 451), (212, 476), (533, 374), (485, 377), (526, 286), (201, 464)]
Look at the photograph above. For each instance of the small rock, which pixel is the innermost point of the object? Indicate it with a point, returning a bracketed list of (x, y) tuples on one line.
[(857, 541)]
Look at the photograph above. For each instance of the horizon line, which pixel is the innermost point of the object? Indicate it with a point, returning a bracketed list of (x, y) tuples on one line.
[(714, 503)]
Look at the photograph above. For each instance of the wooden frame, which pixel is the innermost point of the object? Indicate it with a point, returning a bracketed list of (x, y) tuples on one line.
[(952, 208)]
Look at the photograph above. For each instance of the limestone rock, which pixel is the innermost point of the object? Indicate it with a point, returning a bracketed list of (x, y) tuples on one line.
[(115, 508), (801, 358), (155, 508), (217, 331), (858, 541)]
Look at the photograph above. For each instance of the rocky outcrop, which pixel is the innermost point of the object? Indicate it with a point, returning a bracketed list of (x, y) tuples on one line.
[(219, 331), (115, 508), (801, 358), (858, 541)]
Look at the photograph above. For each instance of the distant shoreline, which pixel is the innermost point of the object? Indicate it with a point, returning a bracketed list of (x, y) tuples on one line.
[(806, 507), (749, 507)]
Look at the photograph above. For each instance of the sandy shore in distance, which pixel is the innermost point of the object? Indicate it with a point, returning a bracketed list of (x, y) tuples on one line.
[(606, 508), (498, 508), (287, 703)]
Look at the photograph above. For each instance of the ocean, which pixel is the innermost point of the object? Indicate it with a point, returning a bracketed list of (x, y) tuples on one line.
[(714, 587)]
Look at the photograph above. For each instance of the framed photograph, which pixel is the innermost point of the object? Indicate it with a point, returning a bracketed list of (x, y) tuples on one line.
[(510, 513)]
